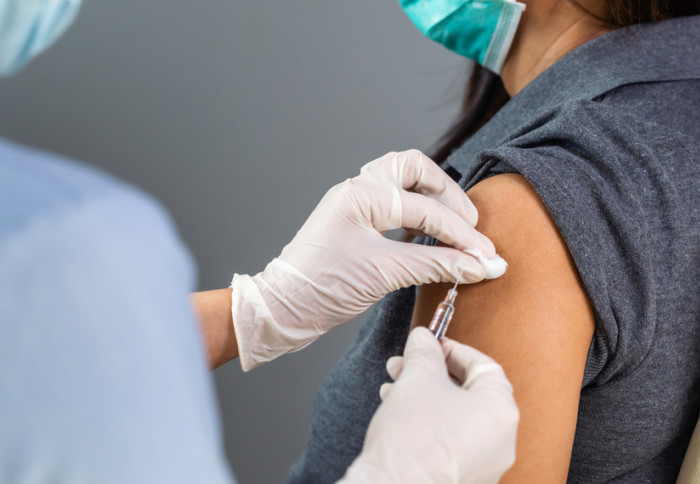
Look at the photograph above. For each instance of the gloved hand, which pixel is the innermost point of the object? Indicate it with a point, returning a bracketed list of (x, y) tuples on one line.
[(339, 263), (437, 428)]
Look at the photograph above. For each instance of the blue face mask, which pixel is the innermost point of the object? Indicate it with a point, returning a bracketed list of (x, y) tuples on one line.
[(481, 30), (29, 27)]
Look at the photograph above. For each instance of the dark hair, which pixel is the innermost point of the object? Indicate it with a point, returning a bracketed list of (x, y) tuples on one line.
[(485, 93)]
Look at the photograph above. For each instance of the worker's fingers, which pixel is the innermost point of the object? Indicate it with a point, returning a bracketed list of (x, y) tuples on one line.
[(408, 264), (408, 190), (413, 170), (423, 175), (431, 217), (394, 365), (423, 356), (472, 369)]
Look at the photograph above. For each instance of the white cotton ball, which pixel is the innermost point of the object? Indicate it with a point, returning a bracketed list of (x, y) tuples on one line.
[(494, 268)]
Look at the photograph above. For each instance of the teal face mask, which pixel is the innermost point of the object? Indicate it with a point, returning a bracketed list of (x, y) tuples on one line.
[(29, 27), (481, 30)]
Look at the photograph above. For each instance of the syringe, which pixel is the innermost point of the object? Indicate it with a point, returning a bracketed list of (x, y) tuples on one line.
[(443, 313)]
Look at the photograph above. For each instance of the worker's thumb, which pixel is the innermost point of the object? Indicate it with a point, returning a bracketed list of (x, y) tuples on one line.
[(415, 265), (422, 357), (472, 369)]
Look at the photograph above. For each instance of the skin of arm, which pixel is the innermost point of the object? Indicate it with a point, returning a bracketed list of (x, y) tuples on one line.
[(213, 309), (536, 321)]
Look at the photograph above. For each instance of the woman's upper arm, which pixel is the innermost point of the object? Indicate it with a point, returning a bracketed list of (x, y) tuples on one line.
[(536, 321)]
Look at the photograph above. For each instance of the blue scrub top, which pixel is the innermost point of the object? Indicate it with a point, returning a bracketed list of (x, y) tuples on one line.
[(103, 377)]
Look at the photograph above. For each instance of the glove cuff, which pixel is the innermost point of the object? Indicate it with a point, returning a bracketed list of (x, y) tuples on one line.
[(264, 320), (249, 312)]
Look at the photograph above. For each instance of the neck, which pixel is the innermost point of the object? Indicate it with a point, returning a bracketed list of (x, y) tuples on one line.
[(546, 33)]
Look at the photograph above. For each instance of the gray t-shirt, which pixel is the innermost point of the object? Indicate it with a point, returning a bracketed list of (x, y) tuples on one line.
[(609, 137)]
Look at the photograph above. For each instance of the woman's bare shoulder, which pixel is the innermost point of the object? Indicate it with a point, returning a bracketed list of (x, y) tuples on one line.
[(535, 320)]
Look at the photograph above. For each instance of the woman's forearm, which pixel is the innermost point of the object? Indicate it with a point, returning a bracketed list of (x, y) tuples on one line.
[(213, 309)]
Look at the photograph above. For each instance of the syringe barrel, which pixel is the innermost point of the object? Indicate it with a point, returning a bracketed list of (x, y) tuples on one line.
[(441, 319)]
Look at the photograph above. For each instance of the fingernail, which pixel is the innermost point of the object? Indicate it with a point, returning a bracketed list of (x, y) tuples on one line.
[(489, 250), (392, 366), (384, 390), (472, 215), (479, 370), (471, 274), (421, 332)]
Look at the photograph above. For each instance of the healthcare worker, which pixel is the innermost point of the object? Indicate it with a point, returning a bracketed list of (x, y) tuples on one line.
[(102, 371)]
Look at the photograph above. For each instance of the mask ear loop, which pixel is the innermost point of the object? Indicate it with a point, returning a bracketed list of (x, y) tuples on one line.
[(503, 36)]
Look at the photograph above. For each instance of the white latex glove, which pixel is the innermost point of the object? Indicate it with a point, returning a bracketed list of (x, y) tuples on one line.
[(433, 428), (339, 263)]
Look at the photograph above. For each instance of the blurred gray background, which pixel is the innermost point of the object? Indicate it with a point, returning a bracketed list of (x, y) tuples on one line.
[(238, 116)]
